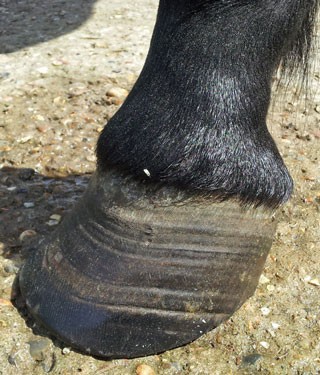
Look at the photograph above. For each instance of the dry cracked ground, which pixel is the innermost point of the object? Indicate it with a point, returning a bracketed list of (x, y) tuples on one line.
[(65, 67)]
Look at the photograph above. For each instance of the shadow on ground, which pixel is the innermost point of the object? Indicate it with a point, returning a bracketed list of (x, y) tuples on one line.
[(32, 205), (27, 22)]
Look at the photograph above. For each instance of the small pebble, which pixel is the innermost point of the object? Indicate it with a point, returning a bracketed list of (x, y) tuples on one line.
[(265, 344), (39, 348), (57, 62), (144, 369), (51, 223), (91, 158), (275, 325), (116, 95), (66, 351), (77, 89), (265, 311), (55, 217), (28, 204), (59, 100), (117, 92), (25, 235), (42, 128), (263, 280), (12, 188), (271, 332), (25, 138), (251, 359), (39, 118)]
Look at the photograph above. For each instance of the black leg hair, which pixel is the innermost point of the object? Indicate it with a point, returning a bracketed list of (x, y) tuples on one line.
[(196, 117)]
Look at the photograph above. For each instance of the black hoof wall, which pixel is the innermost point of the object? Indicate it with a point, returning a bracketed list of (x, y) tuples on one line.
[(136, 270)]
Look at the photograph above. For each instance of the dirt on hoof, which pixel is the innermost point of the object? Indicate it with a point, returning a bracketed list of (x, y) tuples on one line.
[(65, 68)]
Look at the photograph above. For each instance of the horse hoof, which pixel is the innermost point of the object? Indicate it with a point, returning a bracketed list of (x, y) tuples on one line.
[(138, 269)]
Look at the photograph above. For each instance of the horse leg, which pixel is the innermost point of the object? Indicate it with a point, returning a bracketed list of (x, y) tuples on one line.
[(173, 232)]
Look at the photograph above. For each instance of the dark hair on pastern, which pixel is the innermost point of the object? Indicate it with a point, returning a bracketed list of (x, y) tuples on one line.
[(196, 118)]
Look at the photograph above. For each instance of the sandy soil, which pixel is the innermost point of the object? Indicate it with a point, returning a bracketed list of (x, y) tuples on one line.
[(60, 65)]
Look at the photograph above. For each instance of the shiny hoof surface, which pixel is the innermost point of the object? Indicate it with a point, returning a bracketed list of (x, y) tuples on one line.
[(137, 269)]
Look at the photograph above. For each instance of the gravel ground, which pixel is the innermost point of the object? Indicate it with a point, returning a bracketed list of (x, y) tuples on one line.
[(65, 68)]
